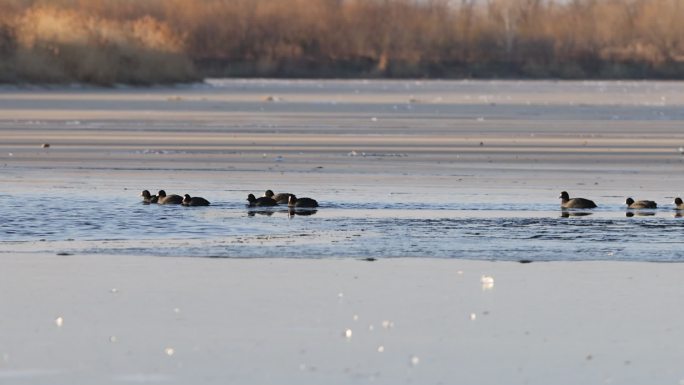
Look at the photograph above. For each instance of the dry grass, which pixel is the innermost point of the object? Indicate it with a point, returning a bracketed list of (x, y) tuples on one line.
[(157, 41), (53, 43)]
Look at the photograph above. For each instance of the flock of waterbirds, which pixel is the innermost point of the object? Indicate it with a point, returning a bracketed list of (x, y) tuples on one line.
[(582, 203), (173, 199), (268, 200)]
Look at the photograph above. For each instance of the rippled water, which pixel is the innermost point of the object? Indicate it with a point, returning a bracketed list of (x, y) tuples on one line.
[(368, 229)]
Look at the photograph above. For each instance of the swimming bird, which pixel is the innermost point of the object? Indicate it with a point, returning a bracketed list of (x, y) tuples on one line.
[(172, 199), (280, 198), (679, 205), (575, 203), (301, 202), (260, 202), (631, 204), (194, 201), (148, 198)]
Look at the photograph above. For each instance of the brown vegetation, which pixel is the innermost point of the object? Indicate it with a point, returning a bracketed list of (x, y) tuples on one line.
[(58, 42), (156, 41)]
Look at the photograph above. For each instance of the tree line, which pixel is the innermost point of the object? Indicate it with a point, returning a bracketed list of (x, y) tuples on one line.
[(157, 41)]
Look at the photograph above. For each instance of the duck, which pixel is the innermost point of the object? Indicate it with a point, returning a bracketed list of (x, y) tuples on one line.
[(260, 202), (679, 205), (575, 203), (631, 204), (280, 198), (301, 202), (148, 198), (194, 201), (172, 199)]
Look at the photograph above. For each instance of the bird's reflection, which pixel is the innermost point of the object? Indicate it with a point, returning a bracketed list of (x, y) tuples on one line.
[(267, 213), (678, 213), (639, 213), (568, 213), (291, 212)]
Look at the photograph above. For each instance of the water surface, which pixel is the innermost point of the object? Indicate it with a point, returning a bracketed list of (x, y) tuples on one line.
[(402, 168), (469, 229)]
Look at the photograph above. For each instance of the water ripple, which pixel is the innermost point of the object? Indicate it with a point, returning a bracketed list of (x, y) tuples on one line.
[(365, 229)]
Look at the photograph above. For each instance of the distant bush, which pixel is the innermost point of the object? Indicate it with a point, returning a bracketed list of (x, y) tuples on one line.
[(159, 41), (50, 44)]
